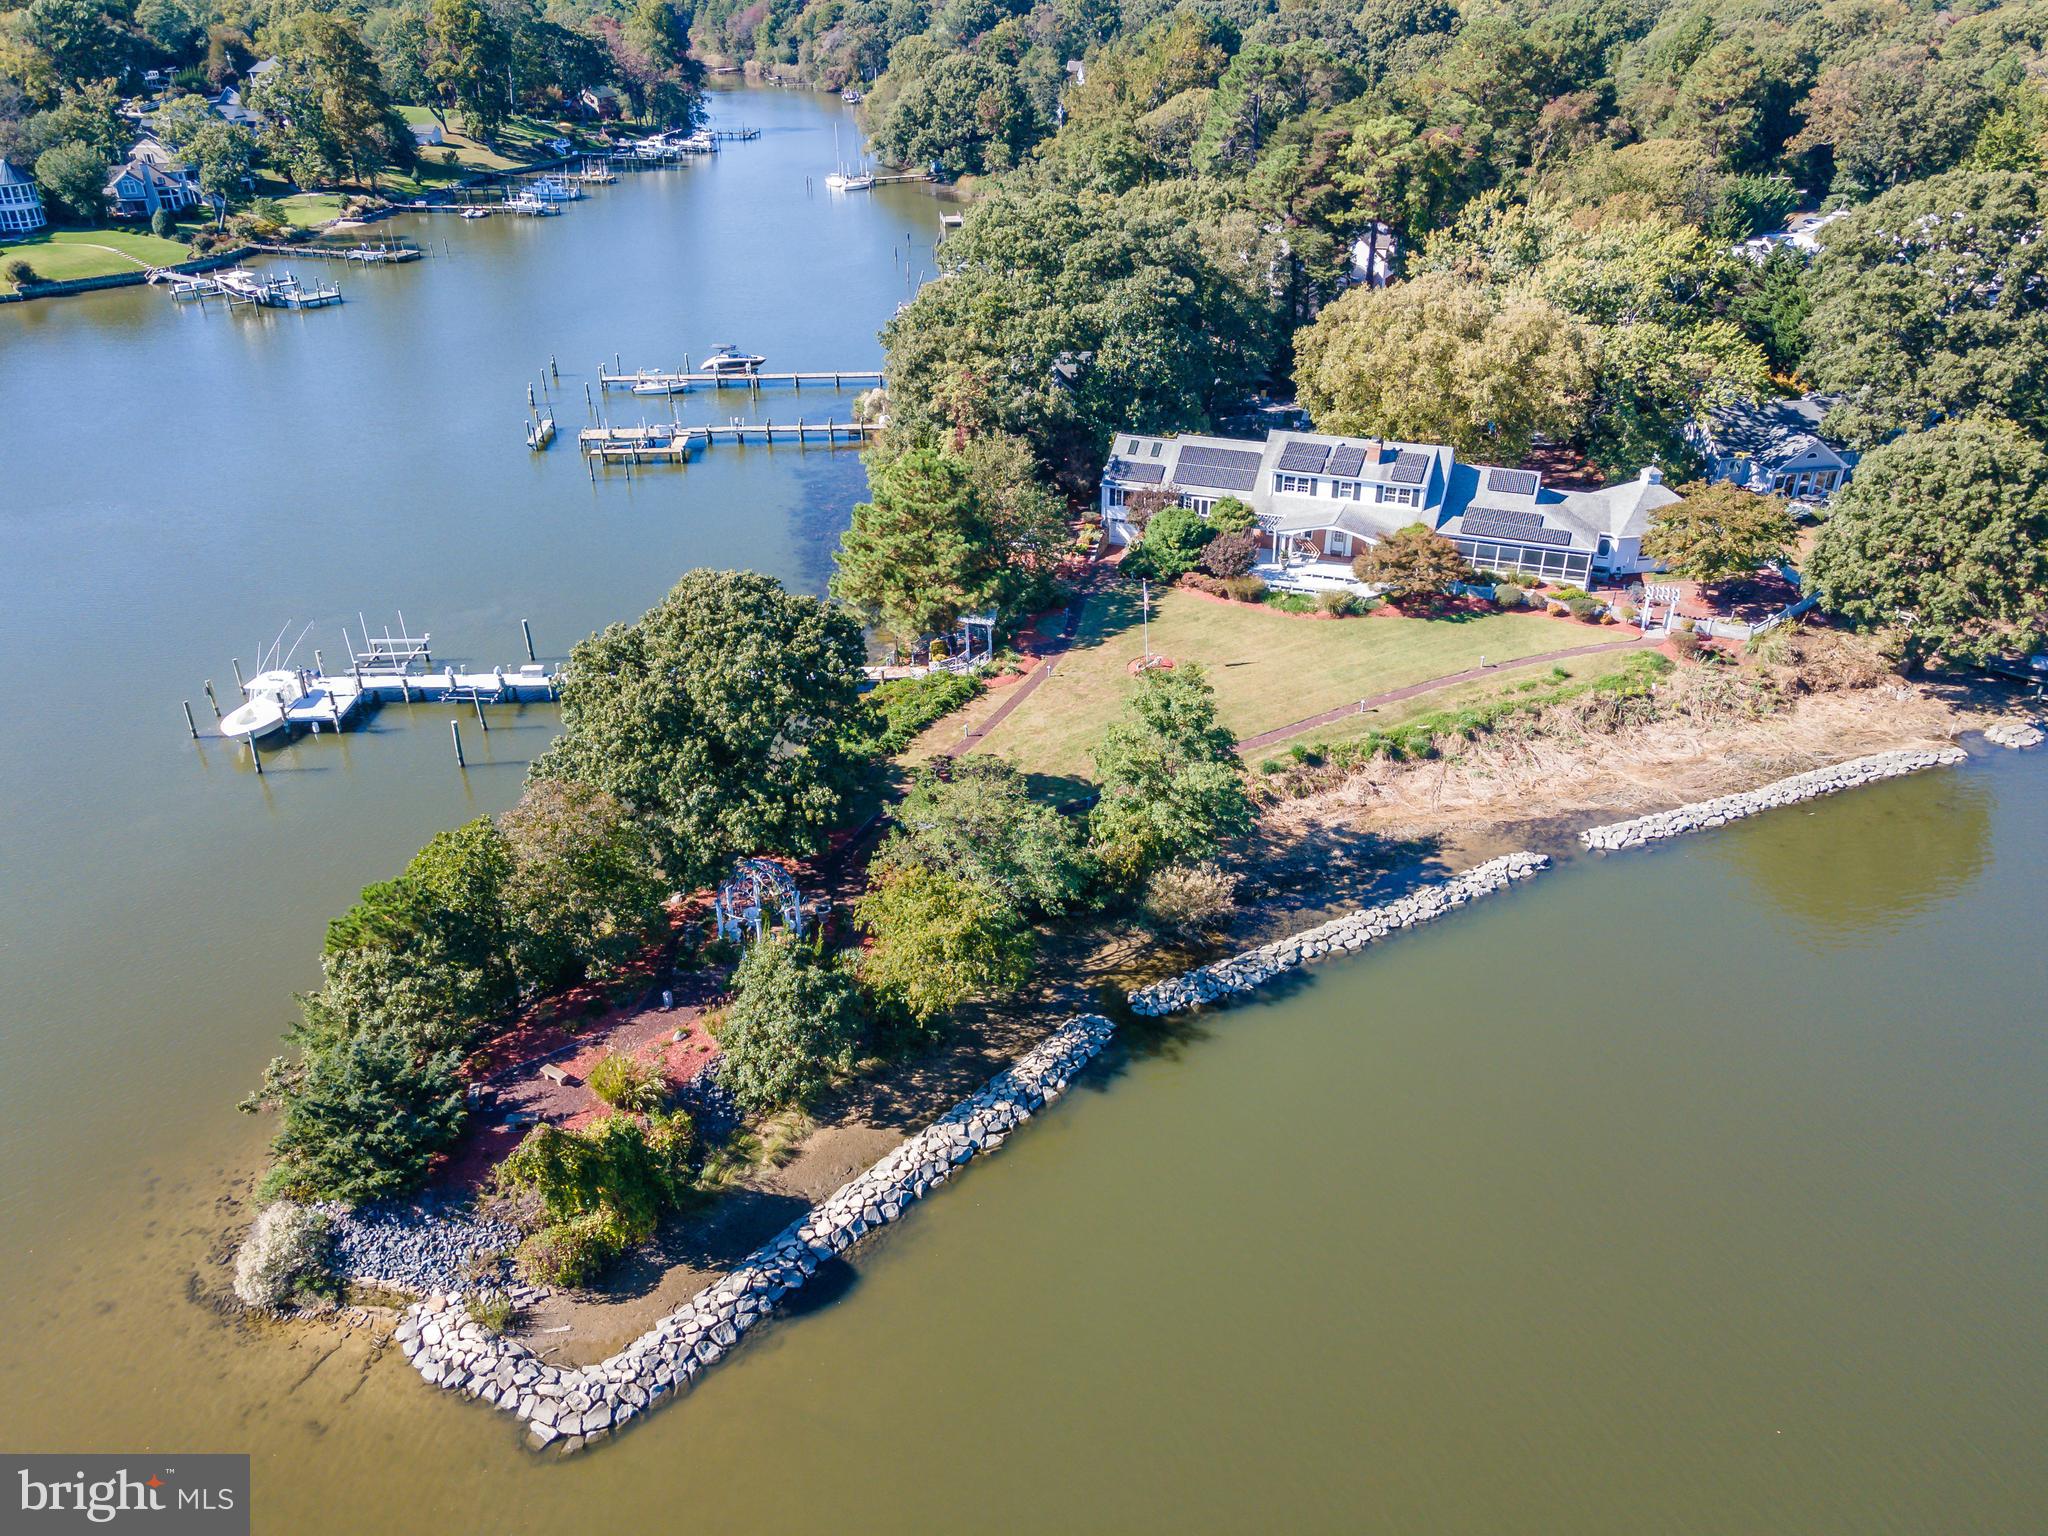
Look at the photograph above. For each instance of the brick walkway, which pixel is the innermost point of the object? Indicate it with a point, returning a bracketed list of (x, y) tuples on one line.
[(1413, 690)]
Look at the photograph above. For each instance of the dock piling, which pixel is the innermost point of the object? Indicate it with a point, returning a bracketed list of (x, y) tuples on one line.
[(190, 724), (481, 723), (241, 687), (211, 699), (455, 734), (256, 756), (526, 629)]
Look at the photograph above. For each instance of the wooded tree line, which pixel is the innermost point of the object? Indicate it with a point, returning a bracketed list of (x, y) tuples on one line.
[(329, 102)]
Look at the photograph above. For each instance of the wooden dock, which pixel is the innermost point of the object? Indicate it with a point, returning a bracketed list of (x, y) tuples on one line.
[(838, 378), (365, 253), (670, 442)]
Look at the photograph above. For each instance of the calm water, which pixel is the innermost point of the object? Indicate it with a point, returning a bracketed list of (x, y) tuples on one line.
[(1699, 1190)]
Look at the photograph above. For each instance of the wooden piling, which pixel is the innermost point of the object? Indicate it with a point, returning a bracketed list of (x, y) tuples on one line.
[(455, 733), (257, 756), (191, 724), (526, 629), (242, 687), (211, 699), (481, 723)]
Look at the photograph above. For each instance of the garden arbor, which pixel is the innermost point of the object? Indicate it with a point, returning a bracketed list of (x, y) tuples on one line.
[(746, 898)]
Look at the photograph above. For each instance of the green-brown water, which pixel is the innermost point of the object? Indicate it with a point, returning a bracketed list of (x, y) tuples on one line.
[(1695, 1190)]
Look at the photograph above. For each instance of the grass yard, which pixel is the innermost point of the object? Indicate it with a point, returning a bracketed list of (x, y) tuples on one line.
[(1511, 685), (65, 255), (1268, 669)]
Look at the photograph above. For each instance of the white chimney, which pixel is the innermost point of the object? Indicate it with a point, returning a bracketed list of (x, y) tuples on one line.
[(1652, 475)]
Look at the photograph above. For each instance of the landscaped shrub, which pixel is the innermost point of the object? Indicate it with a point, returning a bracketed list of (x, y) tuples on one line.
[(161, 224), (21, 274), (1245, 589), (1171, 545), (906, 705), (1230, 554), (1340, 605), (625, 1082), (284, 1257), (1508, 595), (1584, 609), (1685, 644)]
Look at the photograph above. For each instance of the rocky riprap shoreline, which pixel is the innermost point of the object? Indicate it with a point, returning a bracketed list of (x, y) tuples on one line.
[(2015, 733), (1800, 786), (1343, 935), (569, 1407), (419, 1246)]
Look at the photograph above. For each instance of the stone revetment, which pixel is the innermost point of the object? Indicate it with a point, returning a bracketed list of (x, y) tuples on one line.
[(1340, 936), (569, 1407), (1801, 786)]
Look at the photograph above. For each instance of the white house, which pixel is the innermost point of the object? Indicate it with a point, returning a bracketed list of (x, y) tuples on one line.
[(424, 134), (1774, 448), (21, 205), (1322, 499)]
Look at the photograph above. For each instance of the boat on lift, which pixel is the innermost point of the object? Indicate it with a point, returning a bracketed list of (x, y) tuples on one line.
[(668, 385), (263, 713), (476, 213), (727, 361)]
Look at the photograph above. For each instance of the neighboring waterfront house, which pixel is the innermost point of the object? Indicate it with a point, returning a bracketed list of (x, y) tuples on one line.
[(1774, 448), (21, 204), (1321, 500), (1801, 232), (603, 101), (428, 133), (150, 178), (227, 105)]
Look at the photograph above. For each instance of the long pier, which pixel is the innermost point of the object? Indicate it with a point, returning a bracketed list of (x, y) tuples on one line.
[(837, 378), (671, 442), (401, 251)]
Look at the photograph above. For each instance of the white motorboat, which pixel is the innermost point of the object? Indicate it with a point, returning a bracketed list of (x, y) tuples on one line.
[(728, 359), (476, 213), (270, 695), (662, 387)]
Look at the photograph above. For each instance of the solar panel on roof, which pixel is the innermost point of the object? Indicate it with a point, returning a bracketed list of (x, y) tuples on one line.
[(1521, 527), (1346, 459), (1304, 458), (1512, 482), (1409, 467), (1229, 458), (1141, 474), (1222, 477)]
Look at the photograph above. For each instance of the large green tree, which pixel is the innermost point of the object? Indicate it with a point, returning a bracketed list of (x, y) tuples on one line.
[(936, 941), (919, 552), (75, 177), (980, 823), (584, 893), (1440, 360), (1172, 785), (364, 1120), (723, 716), (1933, 302), (794, 1021), (1719, 532), (469, 62), (329, 112), (1944, 533)]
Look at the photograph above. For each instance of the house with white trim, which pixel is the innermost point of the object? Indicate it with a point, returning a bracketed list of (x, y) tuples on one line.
[(151, 178), (1320, 500), (1774, 448), (21, 203)]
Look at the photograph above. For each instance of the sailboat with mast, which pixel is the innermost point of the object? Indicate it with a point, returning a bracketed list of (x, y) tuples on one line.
[(859, 179)]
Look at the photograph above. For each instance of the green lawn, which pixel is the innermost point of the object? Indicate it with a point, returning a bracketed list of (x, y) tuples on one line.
[(1268, 668), (1529, 680), (65, 255)]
